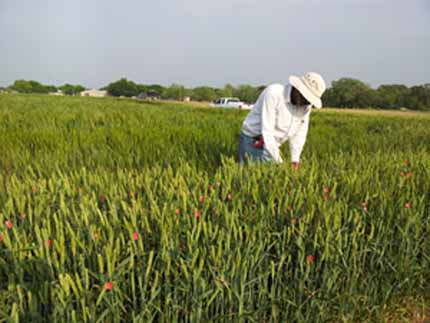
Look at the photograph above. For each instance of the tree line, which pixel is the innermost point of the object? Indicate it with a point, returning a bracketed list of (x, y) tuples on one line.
[(23, 86), (352, 93), (343, 93), (124, 87)]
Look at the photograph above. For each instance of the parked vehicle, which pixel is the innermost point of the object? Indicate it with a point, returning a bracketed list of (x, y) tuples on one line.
[(230, 103)]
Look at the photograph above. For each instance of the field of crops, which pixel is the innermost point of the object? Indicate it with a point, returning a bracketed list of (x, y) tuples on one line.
[(115, 210)]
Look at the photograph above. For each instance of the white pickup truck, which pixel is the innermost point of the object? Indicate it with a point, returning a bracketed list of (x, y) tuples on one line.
[(230, 103)]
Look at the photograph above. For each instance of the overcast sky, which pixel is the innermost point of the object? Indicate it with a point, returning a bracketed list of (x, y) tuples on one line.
[(198, 42)]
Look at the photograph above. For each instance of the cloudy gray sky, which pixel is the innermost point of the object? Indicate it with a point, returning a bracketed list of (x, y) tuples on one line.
[(199, 42)]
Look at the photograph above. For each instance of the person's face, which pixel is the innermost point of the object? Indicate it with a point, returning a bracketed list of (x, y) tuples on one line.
[(297, 98)]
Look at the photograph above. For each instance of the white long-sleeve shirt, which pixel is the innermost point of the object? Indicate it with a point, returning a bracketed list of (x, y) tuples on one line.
[(278, 120)]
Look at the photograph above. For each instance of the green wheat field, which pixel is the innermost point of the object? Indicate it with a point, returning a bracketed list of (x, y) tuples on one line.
[(114, 210)]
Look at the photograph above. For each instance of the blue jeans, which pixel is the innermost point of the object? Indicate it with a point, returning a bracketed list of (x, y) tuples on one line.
[(248, 152)]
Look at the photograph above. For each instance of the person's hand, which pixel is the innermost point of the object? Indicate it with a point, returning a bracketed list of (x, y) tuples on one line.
[(295, 165)]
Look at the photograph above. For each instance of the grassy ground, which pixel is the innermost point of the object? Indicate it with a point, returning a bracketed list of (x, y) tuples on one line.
[(137, 211), (407, 310)]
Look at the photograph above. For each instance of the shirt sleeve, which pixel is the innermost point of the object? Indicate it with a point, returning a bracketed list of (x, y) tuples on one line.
[(297, 141), (268, 122)]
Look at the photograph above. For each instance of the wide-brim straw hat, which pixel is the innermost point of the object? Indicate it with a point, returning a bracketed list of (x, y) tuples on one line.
[(311, 86)]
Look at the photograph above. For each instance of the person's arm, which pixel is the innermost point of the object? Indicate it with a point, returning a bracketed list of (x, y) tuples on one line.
[(268, 122), (297, 142)]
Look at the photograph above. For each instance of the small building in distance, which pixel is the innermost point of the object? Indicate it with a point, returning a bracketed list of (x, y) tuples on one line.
[(149, 95), (58, 93), (94, 93), (141, 96)]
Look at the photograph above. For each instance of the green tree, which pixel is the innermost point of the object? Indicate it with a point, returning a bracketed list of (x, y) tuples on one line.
[(36, 87), (247, 93), (79, 89), (392, 96), (50, 88), (152, 90), (122, 87), (204, 93), (155, 89), (22, 86), (418, 98), (175, 92), (70, 89), (350, 93), (226, 91)]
